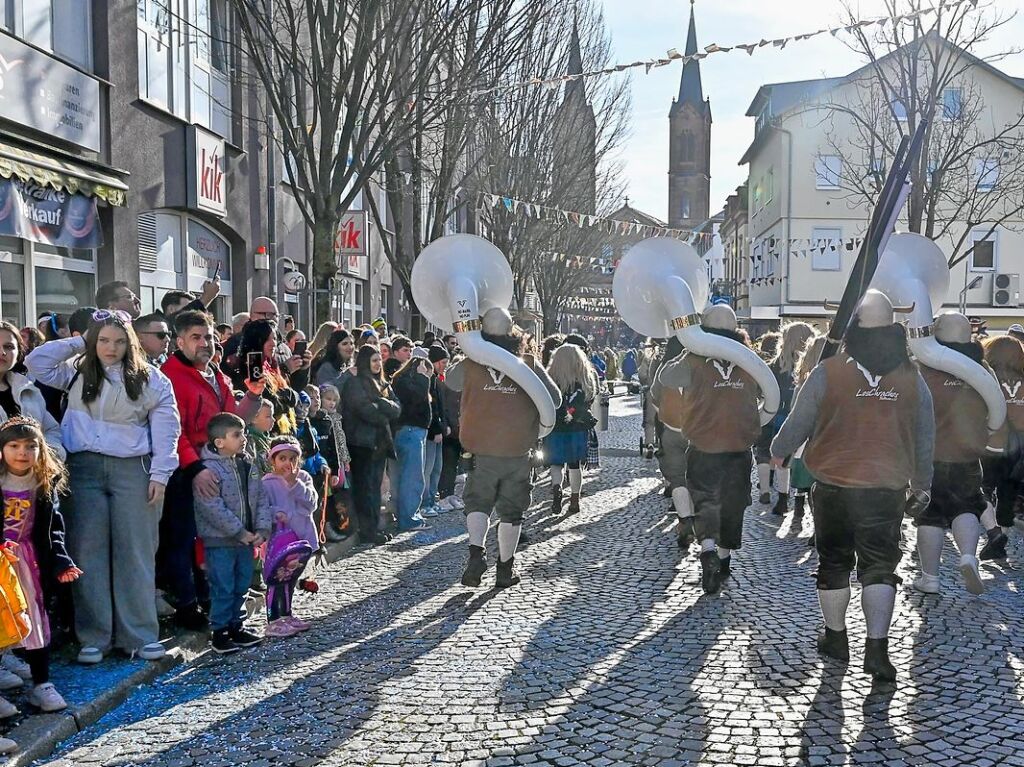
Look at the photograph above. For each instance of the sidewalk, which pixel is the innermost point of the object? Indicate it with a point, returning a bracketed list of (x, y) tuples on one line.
[(91, 692)]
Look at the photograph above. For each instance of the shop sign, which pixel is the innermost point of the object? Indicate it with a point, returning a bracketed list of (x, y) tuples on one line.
[(208, 254), (207, 172), (41, 92), (350, 244), (51, 216)]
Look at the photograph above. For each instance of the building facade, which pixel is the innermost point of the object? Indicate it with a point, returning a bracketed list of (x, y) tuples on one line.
[(804, 224), (149, 155)]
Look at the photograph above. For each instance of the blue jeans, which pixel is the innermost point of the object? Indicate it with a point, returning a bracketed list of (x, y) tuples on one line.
[(431, 472), (229, 571), (409, 446)]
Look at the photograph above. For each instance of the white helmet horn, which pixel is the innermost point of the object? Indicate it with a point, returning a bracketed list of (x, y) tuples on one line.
[(455, 281), (660, 286), (913, 270)]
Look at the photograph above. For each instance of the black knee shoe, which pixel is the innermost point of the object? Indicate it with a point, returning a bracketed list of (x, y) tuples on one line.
[(475, 568), (506, 574), (834, 644), (876, 660), (710, 575)]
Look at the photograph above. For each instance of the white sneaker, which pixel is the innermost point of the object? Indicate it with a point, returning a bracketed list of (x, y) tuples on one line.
[(444, 506), (7, 709), (151, 651), (429, 513), (457, 503), (9, 680), (46, 698), (927, 584), (13, 663), (90, 656), (972, 577)]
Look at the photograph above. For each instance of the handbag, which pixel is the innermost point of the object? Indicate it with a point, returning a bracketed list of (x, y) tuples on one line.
[(593, 451)]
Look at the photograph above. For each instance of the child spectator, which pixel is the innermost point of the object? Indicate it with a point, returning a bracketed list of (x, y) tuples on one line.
[(293, 502), (230, 524), (333, 448), (257, 443), (31, 479)]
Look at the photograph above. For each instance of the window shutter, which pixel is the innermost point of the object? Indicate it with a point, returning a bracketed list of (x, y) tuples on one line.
[(147, 241)]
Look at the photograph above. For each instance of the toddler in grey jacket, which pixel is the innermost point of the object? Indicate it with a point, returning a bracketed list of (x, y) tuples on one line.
[(230, 525)]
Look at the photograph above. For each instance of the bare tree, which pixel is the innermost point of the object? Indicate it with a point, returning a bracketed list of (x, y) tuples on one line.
[(348, 82), (971, 171), (535, 148)]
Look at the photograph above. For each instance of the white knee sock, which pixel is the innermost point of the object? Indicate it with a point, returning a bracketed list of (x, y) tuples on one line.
[(878, 602), (708, 544), (833, 607), (966, 532), (575, 480), (556, 475), (683, 502), (763, 476), (508, 540), (724, 553), (988, 517), (782, 481), (476, 525), (929, 548), (649, 434)]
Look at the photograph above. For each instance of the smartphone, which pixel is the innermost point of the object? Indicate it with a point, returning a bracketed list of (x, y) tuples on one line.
[(216, 273), (300, 348), (254, 365)]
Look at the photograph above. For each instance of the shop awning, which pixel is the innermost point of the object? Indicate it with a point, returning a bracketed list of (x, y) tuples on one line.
[(73, 177)]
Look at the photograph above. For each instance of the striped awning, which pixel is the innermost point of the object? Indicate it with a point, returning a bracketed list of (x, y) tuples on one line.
[(56, 173)]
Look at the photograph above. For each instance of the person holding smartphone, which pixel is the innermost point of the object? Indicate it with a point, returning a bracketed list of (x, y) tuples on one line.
[(411, 385)]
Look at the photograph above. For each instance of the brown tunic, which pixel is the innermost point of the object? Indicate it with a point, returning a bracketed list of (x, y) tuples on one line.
[(718, 412), (498, 418), (864, 436), (670, 409), (961, 418)]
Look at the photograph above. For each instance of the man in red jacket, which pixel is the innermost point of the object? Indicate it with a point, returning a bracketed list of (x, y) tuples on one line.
[(202, 392)]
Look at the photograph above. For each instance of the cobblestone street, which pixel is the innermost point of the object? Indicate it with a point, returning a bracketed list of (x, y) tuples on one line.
[(607, 653)]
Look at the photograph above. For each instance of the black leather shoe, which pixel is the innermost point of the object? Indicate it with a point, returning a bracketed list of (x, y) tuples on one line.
[(765, 498), (506, 574), (781, 505), (995, 548), (475, 568), (876, 660), (835, 644), (684, 533), (724, 569), (191, 618), (710, 566)]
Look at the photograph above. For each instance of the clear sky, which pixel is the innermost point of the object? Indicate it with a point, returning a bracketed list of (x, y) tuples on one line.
[(644, 29)]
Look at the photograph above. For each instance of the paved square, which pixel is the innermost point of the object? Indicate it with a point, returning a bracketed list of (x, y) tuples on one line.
[(608, 653)]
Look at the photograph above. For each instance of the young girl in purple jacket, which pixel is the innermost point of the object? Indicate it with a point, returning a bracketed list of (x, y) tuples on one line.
[(293, 501)]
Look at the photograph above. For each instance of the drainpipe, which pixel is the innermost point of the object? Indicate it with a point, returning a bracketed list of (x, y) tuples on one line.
[(789, 214)]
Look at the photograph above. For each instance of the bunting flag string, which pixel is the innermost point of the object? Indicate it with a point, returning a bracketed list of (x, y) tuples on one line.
[(780, 43), (581, 220)]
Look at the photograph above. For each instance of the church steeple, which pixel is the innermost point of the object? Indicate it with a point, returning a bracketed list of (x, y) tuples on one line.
[(690, 89), (575, 88)]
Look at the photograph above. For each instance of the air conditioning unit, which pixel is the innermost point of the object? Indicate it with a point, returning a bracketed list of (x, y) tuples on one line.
[(1006, 290)]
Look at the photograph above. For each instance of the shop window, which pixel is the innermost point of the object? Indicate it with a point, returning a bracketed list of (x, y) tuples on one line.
[(207, 250), (11, 244), (79, 254), (62, 291), (12, 292)]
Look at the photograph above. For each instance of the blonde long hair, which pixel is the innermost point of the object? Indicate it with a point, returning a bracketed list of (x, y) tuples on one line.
[(320, 338), (570, 368), (808, 358), (795, 337)]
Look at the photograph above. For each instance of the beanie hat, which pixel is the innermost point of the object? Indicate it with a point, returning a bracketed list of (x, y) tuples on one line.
[(420, 353), (437, 353)]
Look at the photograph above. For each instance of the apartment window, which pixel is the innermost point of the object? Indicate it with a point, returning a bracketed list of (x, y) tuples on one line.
[(385, 301), (63, 27), (952, 103), (757, 194), (899, 109), (184, 60), (353, 310), (827, 260), (828, 169), (987, 170), (761, 121), (983, 254), (769, 191)]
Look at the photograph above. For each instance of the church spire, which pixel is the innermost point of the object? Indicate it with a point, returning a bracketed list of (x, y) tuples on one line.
[(690, 88), (574, 87)]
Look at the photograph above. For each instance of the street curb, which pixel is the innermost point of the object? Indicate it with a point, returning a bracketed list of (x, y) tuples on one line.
[(38, 736)]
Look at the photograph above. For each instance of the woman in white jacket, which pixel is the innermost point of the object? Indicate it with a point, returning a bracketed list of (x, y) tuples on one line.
[(18, 395), (121, 431)]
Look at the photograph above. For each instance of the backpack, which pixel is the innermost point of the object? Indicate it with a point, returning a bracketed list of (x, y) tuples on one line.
[(286, 556), (15, 624)]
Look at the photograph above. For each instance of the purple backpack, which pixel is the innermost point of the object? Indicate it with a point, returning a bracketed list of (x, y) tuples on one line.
[(286, 556)]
